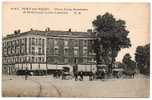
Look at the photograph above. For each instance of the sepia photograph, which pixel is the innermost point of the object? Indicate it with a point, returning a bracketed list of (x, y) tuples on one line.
[(75, 49)]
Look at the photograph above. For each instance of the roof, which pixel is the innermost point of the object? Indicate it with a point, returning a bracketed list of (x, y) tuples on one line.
[(52, 33)]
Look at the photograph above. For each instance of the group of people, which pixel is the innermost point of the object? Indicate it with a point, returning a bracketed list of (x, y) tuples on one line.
[(77, 74)]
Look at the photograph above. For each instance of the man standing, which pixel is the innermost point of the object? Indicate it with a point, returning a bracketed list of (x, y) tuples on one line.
[(26, 73), (81, 75), (75, 72)]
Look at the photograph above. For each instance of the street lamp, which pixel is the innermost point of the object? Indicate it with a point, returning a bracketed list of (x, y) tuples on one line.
[(46, 65)]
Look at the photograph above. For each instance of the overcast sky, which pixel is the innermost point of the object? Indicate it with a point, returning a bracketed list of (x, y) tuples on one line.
[(136, 16)]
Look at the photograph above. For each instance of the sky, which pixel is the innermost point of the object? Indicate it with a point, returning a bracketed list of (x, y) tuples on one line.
[(78, 17)]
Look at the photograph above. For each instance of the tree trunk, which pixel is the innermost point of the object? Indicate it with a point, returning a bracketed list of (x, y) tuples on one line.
[(112, 61), (113, 53)]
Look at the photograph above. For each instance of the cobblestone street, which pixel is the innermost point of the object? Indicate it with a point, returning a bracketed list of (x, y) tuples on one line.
[(47, 86)]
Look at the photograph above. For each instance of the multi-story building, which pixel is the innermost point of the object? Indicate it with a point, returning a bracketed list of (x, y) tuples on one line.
[(49, 49)]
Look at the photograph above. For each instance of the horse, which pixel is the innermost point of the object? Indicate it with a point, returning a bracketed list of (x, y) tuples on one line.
[(131, 74)]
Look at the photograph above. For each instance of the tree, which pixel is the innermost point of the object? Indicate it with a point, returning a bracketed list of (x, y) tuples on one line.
[(147, 59), (130, 64), (142, 57), (126, 59), (111, 37), (122, 65)]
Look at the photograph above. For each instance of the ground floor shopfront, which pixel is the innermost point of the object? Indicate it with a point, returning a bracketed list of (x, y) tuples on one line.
[(42, 68)]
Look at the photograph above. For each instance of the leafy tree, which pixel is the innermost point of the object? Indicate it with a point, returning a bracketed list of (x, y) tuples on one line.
[(111, 38), (126, 58), (121, 65), (130, 64), (142, 57)]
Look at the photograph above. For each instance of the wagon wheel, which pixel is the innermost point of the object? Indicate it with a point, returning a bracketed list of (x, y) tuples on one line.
[(119, 74)]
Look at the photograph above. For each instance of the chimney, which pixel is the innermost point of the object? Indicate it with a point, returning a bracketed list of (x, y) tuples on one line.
[(47, 29), (89, 30), (17, 31), (70, 30), (31, 29)]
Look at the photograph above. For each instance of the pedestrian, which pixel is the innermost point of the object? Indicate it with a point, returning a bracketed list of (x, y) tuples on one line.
[(90, 76), (75, 72), (26, 74), (81, 76), (103, 74), (76, 76), (55, 74)]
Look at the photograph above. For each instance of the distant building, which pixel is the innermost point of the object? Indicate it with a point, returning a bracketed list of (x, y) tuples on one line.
[(46, 50)]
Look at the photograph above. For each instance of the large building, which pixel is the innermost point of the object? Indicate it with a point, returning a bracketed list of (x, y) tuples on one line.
[(46, 50)]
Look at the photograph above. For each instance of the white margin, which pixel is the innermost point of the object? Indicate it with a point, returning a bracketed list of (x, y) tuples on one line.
[(39, 98)]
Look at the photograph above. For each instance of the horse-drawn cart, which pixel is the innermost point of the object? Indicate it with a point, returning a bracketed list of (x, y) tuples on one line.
[(101, 72), (66, 73), (118, 72)]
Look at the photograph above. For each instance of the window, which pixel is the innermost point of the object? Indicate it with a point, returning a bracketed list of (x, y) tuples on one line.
[(65, 60), (11, 42), (33, 41), (85, 43), (89, 60), (84, 52), (22, 50), (33, 60), (55, 42), (91, 42), (18, 60), (56, 51), (21, 59), (36, 41), (65, 42), (76, 43), (23, 41), (39, 41), (25, 59), (29, 45), (84, 61), (56, 60), (75, 52), (42, 59), (66, 51), (8, 43), (3, 44), (13, 47), (39, 51), (33, 50), (17, 42), (39, 59), (42, 46)]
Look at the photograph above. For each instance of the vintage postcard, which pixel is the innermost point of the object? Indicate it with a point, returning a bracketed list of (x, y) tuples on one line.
[(73, 49)]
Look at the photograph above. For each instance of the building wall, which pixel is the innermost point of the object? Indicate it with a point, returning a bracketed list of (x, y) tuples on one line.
[(20, 50), (65, 51), (35, 47)]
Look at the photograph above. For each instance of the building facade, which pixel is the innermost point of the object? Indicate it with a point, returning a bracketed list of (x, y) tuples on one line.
[(49, 49)]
